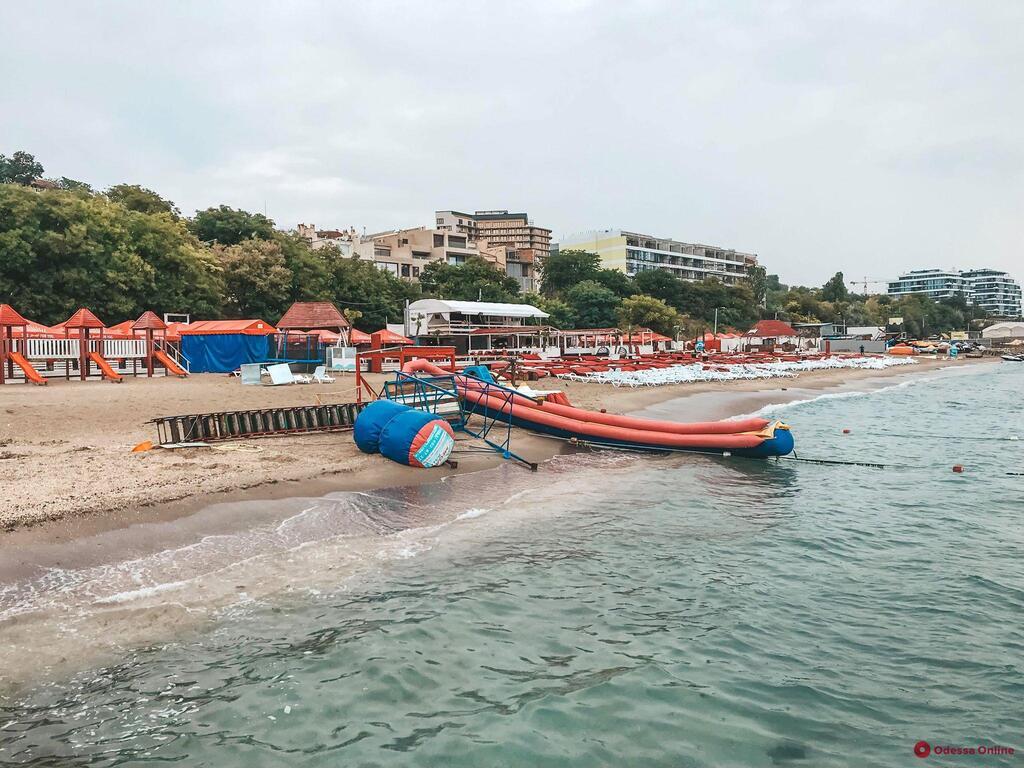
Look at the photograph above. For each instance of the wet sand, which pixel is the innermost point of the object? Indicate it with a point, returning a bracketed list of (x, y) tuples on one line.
[(65, 449)]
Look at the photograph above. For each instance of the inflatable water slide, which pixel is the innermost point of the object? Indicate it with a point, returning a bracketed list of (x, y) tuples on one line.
[(755, 437)]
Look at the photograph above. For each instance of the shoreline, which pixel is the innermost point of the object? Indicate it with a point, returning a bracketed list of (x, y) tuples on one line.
[(177, 483), (123, 581)]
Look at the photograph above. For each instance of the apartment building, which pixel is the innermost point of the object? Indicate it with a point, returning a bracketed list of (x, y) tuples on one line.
[(991, 289), (526, 245), (404, 252), (344, 239), (995, 292), (632, 252)]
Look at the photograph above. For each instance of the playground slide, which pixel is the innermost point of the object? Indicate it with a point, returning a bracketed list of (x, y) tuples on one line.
[(169, 364), (104, 366), (30, 373), (747, 437)]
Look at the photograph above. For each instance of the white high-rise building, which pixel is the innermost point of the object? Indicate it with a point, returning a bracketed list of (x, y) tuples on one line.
[(991, 289)]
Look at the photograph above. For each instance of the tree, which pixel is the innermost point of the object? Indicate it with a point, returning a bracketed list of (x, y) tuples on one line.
[(229, 226), (759, 284), (565, 269), (615, 281), (593, 304), (660, 284), (647, 312), (257, 281), (835, 289), (136, 198), (19, 168), (64, 250), (73, 185), (353, 284), (560, 314), (473, 280), (309, 276)]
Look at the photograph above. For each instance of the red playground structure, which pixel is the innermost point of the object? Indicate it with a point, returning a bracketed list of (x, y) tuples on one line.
[(82, 347)]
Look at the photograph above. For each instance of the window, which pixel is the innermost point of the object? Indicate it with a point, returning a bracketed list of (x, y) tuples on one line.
[(440, 221), (456, 241), (405, 270), (388, 266), (380, 251), (438, 241), (415, 271), (421, 254)]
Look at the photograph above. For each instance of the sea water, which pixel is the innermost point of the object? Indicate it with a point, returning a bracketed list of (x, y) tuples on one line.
[(619, 609)]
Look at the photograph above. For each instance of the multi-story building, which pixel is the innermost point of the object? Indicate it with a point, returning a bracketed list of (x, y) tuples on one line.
[(525, 244), (995, 292), (990, 289), (631, 252), (404, 252), (344, 239), (934, 283)]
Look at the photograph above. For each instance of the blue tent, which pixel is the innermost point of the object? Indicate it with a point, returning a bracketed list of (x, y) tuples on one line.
[(220, 346), (222, 352)]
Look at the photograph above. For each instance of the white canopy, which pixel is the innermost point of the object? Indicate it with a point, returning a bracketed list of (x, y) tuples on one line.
[(1013, 329), (493, 308)]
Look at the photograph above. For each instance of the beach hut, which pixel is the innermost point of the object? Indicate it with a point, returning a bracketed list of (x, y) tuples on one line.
[(221, 346)]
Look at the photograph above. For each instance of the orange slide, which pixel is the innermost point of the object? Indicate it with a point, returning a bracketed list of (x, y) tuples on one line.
[(30, 373), (104, 366), (169, 364)]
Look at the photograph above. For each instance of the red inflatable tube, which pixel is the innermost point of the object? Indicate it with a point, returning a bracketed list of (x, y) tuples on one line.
[(626, 429)]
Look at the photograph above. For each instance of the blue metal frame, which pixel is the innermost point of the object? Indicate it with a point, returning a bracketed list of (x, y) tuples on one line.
[(430, 391)]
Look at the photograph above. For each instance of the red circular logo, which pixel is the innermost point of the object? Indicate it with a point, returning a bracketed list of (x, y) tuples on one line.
[(922, 749)]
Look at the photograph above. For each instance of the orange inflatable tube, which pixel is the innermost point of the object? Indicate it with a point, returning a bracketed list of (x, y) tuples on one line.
[(753, 436)]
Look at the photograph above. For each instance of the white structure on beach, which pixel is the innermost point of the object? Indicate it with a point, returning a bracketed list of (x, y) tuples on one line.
[(475, 325)]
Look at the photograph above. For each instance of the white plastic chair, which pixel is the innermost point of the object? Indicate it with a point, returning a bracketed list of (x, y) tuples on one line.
[(320, 375)]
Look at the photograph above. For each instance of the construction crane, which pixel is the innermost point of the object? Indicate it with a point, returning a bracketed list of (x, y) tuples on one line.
[(868, 281)]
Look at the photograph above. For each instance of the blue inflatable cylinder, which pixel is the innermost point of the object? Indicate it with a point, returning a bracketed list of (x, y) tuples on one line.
[(417, 439), (371, 420)]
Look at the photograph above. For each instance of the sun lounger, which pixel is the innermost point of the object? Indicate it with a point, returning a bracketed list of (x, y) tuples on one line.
[(320, 375)]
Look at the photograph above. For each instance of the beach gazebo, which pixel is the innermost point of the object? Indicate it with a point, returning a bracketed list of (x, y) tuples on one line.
[(9, 320), (84, 322), (148, 323)]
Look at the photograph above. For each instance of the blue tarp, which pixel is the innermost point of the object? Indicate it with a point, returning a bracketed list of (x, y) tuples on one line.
[(222, 352)]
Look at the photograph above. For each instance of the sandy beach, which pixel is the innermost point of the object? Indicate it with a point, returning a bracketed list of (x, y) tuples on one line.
[(65, 449)]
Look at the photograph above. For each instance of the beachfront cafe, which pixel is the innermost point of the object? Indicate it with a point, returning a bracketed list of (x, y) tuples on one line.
[(478, 327)]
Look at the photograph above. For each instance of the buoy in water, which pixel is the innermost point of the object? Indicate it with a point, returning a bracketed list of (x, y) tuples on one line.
[(846, 431), (958, 467)]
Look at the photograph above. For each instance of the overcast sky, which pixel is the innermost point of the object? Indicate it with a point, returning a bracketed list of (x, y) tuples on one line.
[(870, 137)]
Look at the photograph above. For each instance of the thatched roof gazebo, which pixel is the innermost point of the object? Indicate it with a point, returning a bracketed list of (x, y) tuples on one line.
[(311, 315)]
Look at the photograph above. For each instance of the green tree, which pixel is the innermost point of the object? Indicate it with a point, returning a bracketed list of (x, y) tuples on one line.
[(63, 250), (835, 289), (593, 304), (19, 168), (257, 280), (615, 281), (565, 269), (73, 185), (473, 280), (759, 284), (647, 312), (660, 284), (560, 314), (229, 226), (136, 198), (354, 284), (309, 275)]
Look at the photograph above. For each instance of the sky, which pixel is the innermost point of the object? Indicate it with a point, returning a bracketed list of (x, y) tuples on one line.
[(868, 137)]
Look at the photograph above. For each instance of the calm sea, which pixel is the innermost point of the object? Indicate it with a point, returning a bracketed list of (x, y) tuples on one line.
[(615, 609)]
